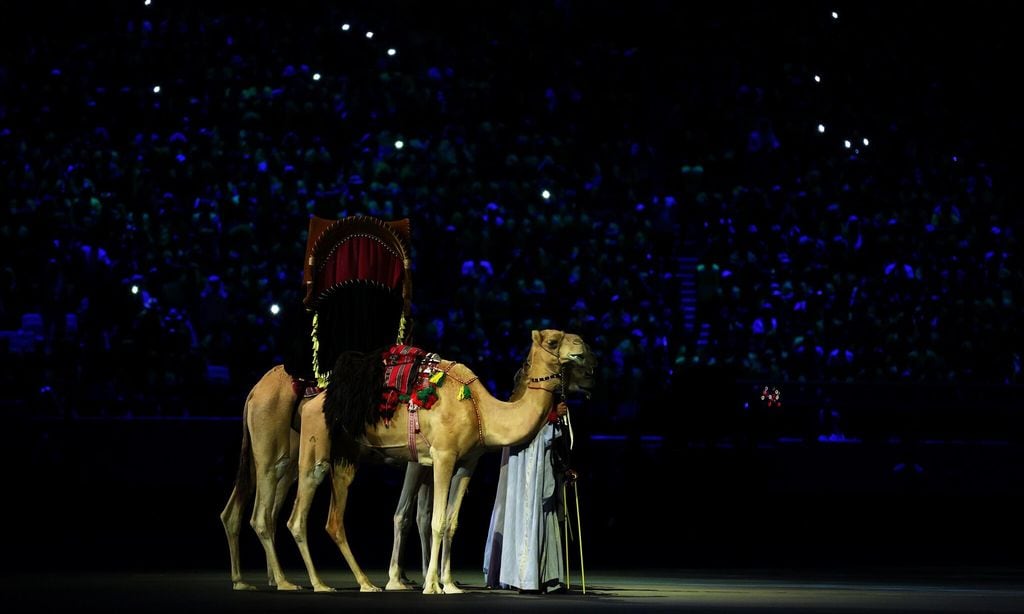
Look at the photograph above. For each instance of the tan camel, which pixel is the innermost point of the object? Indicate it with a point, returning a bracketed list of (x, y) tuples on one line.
[(453, 433), (267, 468)]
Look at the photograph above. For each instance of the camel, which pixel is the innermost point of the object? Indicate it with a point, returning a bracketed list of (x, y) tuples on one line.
[(416, 487), (453, 434), (267, 468)]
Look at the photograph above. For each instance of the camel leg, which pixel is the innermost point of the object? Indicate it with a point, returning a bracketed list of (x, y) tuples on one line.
[(444, 465), (459, 486), (310, 475), (342, 475), (231, 518), (410, 488), (424, 505), (287, 472), (262, 520)]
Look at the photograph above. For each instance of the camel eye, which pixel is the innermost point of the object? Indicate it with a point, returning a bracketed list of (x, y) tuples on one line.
[(552, 343)]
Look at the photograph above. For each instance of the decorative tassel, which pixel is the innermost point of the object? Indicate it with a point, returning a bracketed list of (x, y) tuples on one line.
[(321, 378), (401, 330), (437, 378), (464, 393)]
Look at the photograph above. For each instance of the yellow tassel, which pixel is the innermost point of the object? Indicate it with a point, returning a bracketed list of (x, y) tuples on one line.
[(437, 378), (401, 330), (321, 378), (464, 393)]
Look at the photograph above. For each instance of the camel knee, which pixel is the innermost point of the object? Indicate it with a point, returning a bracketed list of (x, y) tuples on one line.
[(282, 467), (319, 471), (449, 529), (402, 522), (259, 525), (229, 519)]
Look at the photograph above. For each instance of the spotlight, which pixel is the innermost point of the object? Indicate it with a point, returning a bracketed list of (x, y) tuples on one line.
[(345, 27), (866, 142), (275, 309), (392, 51), (835, 15), (156, 89), (399, 144), (817, 78), (369, 35), (545, 195), (135, 289), (316, 76), (847, 144), (821, 128)]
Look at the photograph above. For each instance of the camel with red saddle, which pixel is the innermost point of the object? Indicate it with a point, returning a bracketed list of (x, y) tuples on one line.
[(463, 423)]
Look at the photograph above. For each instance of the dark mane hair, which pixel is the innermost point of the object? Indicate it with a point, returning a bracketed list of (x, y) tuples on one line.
[(351, 400)]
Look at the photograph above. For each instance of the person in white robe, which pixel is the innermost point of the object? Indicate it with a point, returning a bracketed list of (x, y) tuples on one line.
[(524, 543)]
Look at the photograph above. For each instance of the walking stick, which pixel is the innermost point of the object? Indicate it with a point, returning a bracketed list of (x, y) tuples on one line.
[(570, 478), (579, 535), (565, 520)]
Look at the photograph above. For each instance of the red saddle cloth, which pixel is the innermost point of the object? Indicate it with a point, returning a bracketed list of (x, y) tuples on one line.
[(407, 370)]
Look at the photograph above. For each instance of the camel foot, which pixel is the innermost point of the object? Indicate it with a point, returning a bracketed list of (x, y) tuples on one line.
[(452, 589), (368, 588), (432, 589), (242, 586), (323, 588), (285, 585), (398, 585)]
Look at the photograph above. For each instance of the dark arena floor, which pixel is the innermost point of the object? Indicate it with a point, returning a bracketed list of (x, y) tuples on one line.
[(879, 590), (123, 522)]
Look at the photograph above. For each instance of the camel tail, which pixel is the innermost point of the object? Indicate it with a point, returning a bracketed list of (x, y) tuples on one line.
[(245, 481)]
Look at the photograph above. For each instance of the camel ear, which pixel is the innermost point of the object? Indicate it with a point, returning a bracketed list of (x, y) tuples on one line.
[(536, 337)]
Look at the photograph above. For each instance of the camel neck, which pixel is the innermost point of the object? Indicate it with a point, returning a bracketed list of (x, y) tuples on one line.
[(519, 420)]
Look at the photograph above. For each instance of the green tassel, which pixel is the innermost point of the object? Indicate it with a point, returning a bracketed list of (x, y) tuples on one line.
[(465, 393), (437, 378)]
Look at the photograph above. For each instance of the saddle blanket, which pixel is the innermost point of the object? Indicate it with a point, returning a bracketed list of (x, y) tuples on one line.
[(407, 373)]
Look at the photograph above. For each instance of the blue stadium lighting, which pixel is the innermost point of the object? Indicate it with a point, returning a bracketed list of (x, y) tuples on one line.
[(369, 35), (275, 309), (392, 51), (345, 27), (821, 128), (399, 144), (156, 89), (316, 76), (545, 195)]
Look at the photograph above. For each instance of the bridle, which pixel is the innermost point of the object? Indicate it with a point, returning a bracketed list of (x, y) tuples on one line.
[(555, 375)]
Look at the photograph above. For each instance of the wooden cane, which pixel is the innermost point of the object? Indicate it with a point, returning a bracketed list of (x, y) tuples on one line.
[(579, 537)]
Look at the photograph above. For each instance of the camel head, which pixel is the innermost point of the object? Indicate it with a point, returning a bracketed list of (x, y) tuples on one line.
[(569, 356), (579, 376)]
